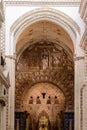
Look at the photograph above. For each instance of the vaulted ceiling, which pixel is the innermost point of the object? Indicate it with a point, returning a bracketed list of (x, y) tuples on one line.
[(44, 31)]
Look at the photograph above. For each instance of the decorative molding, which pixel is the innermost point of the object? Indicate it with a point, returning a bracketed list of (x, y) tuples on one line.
[(38, 79), (11, 57), (83, 42), (78, 58), (45, 13), (81, 106), (83, 10), (85, 66), (43, 3), (2, 38), (2, 16), (45, 63), (7, 111), (4, 80), (48, 14), (2, 27)]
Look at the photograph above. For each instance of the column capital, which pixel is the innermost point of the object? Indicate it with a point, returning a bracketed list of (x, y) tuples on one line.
[(77, 58), (11, 57)]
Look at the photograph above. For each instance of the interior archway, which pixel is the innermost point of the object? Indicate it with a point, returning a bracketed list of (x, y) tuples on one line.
[(44, 31), (44, 62), (42, 96)]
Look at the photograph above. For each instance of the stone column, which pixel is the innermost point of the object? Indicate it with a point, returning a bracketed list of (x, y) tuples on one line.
[(83, 107), (11, 106), (83, 97), (2, 38), (17, 124), (79, 80), (12, 94), (70, 124), (0, 115), (3, 118)]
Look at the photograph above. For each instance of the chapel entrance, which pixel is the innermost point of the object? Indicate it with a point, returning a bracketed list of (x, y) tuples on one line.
[(44, 79), (43, 123)]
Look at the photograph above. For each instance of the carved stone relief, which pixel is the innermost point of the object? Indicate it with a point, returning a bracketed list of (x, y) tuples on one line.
[(45, 62), (43, 96)]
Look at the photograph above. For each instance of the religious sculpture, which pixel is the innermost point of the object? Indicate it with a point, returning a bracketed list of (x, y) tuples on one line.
[(45, 62), (56, 61), (43, 123)]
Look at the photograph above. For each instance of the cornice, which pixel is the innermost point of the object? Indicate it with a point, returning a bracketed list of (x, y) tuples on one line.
[(43, 3), (79, 58)]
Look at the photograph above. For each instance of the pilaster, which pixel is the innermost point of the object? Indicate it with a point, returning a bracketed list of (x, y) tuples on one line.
[(11, 105), (0, 115), (79, 79)]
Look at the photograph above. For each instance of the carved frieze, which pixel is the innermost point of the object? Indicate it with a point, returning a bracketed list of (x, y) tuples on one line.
[(43, 2)]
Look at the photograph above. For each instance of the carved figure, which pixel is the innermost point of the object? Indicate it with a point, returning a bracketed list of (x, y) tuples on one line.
[(45, 62)]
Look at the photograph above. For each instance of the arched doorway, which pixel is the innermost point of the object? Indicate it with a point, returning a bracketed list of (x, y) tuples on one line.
[(43, 101), (44, 68), (43, 121)]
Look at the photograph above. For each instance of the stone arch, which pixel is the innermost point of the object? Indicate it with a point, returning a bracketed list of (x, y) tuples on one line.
[(23, 89), (83, 45), (26, 80), (83, 88), (43, 14), (83, 42), (43, 115), (33, 43), (37, 15)]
